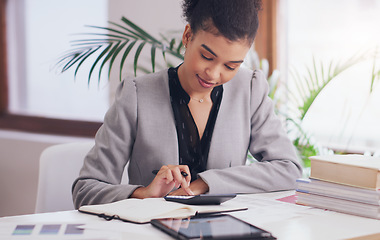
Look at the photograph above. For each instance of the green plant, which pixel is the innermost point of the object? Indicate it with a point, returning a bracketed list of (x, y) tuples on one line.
[(310, 86), (305, 92), (114, 41)]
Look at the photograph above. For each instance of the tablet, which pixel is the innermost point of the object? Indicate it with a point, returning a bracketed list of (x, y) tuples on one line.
[(219, 226), (202, 199)]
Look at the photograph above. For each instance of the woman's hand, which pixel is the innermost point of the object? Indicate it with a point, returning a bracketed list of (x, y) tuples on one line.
[(167, 178), (197, 187)]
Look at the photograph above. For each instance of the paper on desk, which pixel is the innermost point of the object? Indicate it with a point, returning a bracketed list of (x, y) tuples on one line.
[(263, 209), (128, 230)]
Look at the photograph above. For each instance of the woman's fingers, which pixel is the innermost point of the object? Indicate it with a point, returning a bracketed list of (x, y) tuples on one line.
[(177, 174), (178, 177), (168, 176), (186, 186), (186, 173)]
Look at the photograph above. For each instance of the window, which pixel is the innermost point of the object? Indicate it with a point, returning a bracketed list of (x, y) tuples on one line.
[(38, 33), (344, 116)]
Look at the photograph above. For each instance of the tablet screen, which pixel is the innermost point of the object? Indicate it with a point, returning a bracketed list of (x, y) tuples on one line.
[(211, 227)]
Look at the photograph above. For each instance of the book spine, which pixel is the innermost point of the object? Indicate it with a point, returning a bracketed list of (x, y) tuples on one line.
[(338, 205), (339, 191), (344, 174)]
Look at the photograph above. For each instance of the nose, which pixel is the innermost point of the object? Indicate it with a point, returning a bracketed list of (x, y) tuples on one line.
[(213, 72)]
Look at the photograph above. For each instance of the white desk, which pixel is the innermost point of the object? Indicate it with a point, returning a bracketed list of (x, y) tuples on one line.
[(284, 220)]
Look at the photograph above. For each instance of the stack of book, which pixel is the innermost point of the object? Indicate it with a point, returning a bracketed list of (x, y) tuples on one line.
[(343, 183)]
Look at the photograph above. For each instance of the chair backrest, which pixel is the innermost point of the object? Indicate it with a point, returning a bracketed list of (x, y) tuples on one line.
[(59, 167)]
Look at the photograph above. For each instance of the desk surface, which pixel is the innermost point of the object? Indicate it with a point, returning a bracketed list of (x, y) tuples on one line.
[(284, 220)]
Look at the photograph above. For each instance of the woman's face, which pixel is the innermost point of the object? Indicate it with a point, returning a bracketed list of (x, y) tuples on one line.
[(209, 61)]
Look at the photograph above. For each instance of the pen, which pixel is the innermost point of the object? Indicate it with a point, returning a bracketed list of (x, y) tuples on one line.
[(183, 173)]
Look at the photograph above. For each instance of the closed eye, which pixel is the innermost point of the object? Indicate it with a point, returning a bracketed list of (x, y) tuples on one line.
[(229, 68), (208, 59)]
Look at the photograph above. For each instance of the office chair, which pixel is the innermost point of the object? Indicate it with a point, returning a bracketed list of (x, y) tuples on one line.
[(59, 167)]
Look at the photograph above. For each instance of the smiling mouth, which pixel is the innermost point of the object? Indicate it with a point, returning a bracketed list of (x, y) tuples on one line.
[(204, 83)]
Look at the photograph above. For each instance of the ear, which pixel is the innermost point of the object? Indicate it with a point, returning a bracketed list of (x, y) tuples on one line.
[(187, 35)]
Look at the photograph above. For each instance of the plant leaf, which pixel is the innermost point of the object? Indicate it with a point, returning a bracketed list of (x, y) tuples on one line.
[(153, 57), (373, 74), (126, 52), (113, 30), (109, 55), (137, 54), (97, 60), (83, 59), (73, 59), (121, 37), (139, 30), (180, 45), (116, 53), (171, 44)]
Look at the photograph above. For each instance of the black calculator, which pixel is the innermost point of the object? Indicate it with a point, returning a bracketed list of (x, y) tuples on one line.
[(202, 199)]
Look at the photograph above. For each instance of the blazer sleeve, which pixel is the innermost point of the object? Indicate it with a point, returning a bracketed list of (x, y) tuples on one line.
[(277, 166), (100, 177)]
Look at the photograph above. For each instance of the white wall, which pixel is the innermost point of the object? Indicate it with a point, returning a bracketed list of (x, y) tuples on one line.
[(19, 152)]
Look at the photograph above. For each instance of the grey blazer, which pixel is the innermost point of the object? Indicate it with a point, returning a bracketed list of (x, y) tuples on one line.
[(139, 129)]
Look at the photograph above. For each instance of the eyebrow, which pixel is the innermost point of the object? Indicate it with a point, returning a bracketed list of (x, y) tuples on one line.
[(212, 52), (208, 49)]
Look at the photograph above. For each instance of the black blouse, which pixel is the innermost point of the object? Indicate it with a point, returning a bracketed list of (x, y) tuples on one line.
[(193, 151)]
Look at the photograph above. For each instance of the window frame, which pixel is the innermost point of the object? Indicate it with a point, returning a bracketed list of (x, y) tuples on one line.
[(265, 42), (266, 39)]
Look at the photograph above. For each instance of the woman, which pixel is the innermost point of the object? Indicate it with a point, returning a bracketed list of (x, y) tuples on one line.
[(194, 123)]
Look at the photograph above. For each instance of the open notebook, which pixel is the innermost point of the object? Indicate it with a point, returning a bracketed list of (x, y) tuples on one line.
[(144, 210)]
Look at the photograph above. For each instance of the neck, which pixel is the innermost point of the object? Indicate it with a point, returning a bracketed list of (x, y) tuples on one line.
[(185, 83), (201, 100)]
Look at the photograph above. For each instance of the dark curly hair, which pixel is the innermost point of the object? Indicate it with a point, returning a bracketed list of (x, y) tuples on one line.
[(234, 19)]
